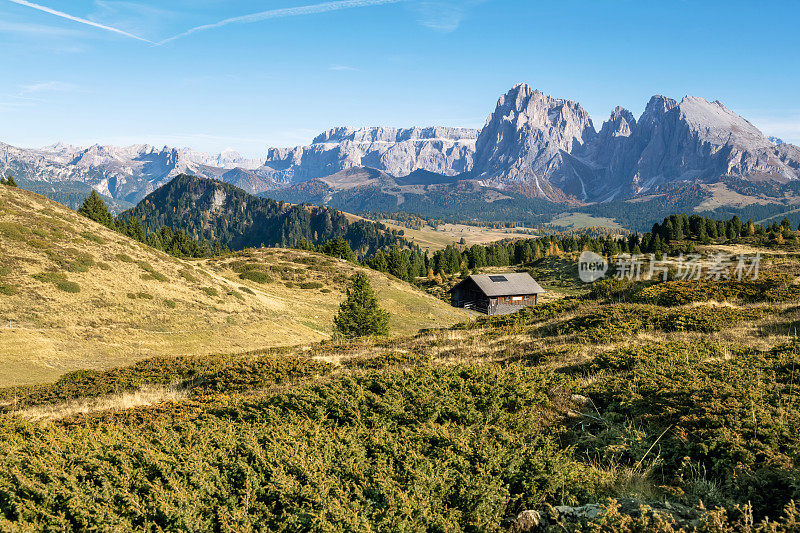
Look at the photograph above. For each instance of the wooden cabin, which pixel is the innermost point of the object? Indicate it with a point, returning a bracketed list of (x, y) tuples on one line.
[(496, 294)]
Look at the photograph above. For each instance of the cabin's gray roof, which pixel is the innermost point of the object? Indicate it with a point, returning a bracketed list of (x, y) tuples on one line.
[(516, 283)]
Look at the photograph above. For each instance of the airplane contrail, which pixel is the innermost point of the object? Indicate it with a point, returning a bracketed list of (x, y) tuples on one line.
[(286, 12), (80, 20), (244, 19)]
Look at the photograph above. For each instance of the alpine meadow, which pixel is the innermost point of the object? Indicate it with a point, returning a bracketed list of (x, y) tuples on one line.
[(393, 266)]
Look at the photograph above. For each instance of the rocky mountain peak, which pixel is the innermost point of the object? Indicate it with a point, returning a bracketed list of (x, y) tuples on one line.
[(620, 124), (656, 109), (717, 124), (564, 121), (526, 138), (394, 135)]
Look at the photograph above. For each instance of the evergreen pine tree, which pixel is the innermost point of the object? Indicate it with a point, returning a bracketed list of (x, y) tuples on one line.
[(702, 235), (95, 208), (398, 265), (379, 262), (360, 315), (10, 181), (737, 225), (678, 232), (667, 231), (340, 248)]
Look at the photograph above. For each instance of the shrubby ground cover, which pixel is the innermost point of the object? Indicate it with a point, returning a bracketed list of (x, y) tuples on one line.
[(608, 395)]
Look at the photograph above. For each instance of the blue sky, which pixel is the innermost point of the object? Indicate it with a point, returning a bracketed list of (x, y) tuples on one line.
[(101, 71)]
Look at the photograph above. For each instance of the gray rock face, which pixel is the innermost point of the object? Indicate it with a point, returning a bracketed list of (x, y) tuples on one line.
[(549, 148), (399, 152), (697, 140), (582, 518), (532, 137), (394, 135), (129, 172)]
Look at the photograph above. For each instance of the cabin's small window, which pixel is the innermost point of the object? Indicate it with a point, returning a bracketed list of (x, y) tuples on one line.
[(517, 298)]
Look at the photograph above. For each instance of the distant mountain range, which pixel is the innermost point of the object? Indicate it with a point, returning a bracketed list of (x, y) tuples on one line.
[(548, 148), (532, 146), (125, 173)]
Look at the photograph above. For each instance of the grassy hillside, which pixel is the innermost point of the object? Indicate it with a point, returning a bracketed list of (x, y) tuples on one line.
[(75, 295), (431, 239), (680, 395)]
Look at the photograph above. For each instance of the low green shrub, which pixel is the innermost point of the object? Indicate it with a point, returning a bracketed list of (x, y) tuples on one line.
[(38, 243), (256, 276), (68, 286), (236, 294), (71, 260), (151, 272), (311, 285), (89, 236), (445, 449), (245, 266), (211, 291), (140, 296), (14, 231), (615, 322), (8, 289), (768, 288), (729, 411), (187, 275), (49, 277)]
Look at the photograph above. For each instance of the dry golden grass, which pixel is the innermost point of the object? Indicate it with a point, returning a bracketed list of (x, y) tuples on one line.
[(722, 196), (135, 302), (571, 221), (432, 239), (147, 395), (488, 344)]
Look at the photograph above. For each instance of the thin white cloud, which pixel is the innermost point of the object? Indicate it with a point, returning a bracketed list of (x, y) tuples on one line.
[(282, 13), (443, 15), (80, 20), (342, 68), (12, 106), (141, 19), (36, 29), (786, 127), (47, 86)]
